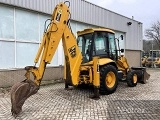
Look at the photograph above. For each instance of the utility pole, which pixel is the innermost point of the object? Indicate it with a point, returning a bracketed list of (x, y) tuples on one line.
[(152, 53)]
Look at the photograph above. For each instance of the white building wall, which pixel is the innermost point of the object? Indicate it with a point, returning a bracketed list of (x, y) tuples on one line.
[(89, 13), (21, 32)]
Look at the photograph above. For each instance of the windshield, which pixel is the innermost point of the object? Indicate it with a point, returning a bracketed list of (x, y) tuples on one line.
[(84, 43), (100, 43), (105, 45), (112, 44)]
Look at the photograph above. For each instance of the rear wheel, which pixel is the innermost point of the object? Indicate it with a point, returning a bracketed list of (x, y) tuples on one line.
[(108, 79), (132, 78)]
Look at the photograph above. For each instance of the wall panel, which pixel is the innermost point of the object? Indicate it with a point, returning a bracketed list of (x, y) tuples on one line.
[(86, 12)]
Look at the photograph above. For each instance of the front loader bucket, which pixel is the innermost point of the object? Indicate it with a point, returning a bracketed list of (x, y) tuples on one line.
[(145, 77), (142, 74), (19, 93)]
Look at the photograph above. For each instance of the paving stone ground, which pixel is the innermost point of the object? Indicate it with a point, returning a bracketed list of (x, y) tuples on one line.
[(52, 102)]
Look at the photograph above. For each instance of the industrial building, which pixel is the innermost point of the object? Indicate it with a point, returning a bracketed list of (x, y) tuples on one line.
[(22, 26)]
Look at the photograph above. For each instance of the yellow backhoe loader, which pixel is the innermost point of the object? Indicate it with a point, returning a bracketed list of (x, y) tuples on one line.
[(90, 59)]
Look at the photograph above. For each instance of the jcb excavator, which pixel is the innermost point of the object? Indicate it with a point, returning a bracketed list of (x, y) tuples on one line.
[(91, 59)]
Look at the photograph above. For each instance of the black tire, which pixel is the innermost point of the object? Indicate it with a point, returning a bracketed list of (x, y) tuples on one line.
[(132, 78), (111, 71), (139, 75)]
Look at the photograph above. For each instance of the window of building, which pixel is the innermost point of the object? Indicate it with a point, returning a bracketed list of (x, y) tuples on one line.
[(25, 53), (6, 22), (27, 25), (7, 54)]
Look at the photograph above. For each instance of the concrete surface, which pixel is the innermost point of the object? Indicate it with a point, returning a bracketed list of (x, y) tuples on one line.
[(52, 102)]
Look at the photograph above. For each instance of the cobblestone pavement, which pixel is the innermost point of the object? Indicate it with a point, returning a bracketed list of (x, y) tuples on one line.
[(54, 103)]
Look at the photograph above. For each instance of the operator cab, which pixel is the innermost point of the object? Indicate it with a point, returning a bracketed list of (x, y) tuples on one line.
[(97, 42)]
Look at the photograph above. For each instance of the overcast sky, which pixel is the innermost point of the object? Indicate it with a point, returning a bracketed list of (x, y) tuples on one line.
[(145, 11)]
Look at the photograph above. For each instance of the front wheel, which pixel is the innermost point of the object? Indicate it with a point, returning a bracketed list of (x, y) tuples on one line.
[(132, 78), (108, 79)]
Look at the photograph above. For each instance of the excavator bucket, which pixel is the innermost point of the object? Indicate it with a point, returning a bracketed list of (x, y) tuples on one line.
[(19, 93)]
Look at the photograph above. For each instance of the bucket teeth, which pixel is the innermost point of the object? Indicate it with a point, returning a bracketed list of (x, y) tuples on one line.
[(19, 93)]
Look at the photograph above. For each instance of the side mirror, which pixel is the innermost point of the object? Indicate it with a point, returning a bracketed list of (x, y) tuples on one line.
[(122, 50), (121, 37)]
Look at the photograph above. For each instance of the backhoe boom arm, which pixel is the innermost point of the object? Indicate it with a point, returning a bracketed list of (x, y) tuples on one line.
[(58, 29)]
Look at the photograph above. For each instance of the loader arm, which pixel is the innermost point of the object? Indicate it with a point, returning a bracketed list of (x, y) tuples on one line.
[(58, 29)]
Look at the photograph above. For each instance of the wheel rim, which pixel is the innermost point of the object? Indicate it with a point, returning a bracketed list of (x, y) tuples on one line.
[(110, 79), (134, 78)]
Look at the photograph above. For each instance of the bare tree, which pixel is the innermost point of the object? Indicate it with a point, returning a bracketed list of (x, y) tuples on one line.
[(153, 33), (147, 45)]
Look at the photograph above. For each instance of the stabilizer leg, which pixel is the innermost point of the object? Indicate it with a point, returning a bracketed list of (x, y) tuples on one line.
[(95, 96)]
